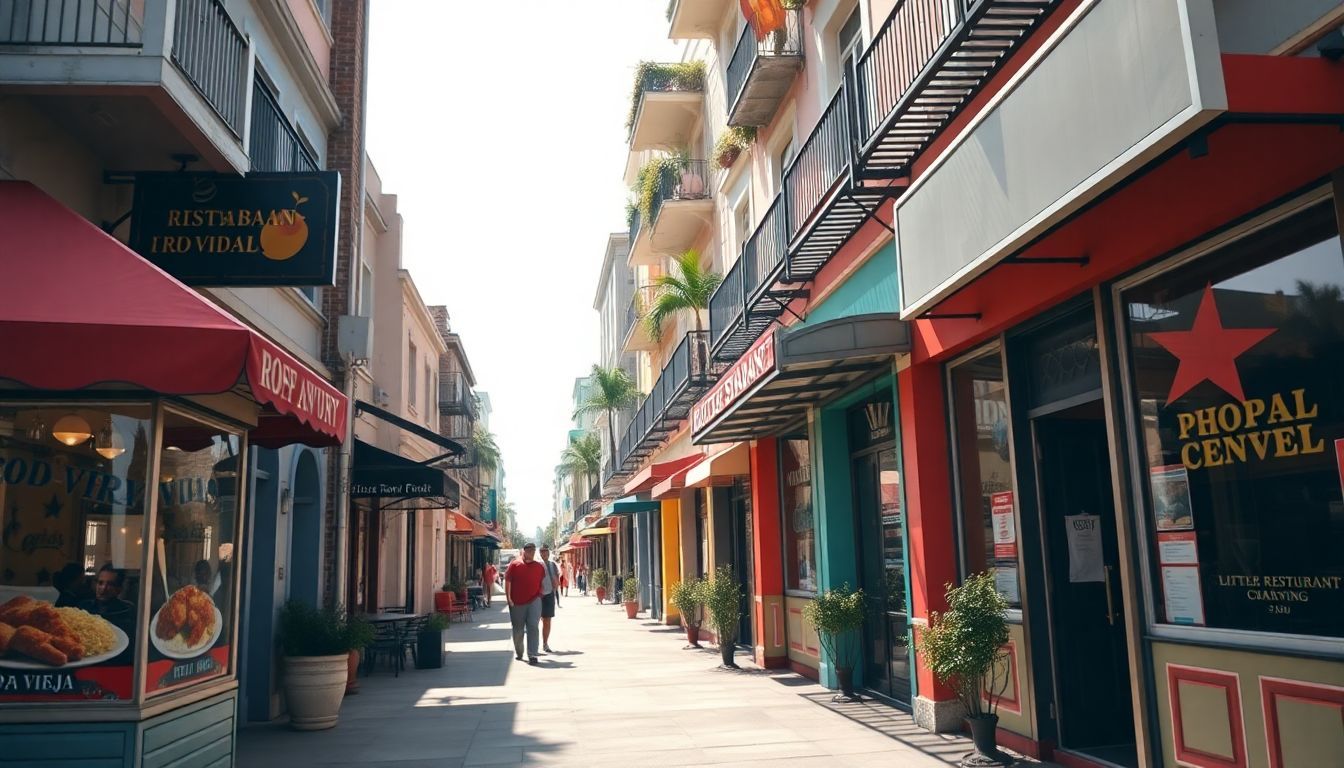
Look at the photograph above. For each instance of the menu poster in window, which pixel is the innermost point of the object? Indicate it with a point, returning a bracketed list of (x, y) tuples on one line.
[(1005, 530), (1005, 581), (1171, 498), (1085, 556), (191, 604), (1181, 593), (1177, 548)]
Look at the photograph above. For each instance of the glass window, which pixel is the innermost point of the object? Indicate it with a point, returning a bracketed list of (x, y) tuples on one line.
[(73, 502), (410, 374), (984, 468), (1241, 417), (365, 290), (192, 580), (800, 518)]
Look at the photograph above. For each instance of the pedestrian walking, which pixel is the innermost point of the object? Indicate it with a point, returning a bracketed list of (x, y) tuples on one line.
[(488, 583), (566, 577), (582, 580), (522, 589), (550, 596)]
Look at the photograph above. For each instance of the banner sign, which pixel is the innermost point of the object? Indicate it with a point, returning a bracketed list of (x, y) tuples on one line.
[(755, 364), (262, 229)]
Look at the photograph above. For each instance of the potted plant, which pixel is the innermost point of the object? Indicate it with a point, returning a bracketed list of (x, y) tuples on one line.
[(429, 642), (317, 645), (964, 648), (600, 580), (723, 600), (630, 595), (836, 614), (688, 598), (731, 144), (360, 633)]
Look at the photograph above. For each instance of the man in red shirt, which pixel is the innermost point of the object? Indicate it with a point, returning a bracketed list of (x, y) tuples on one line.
[(522, 588), (488, 582)]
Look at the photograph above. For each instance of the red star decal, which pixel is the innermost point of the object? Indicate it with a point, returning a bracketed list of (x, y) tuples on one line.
[(1208, 351)]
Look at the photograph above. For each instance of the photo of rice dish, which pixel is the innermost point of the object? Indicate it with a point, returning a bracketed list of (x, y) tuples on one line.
[(187, 623), (93, 631)]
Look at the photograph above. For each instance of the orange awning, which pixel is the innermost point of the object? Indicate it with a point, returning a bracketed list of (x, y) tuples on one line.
[(721, 468), (669, 488), (656, 473), (462, 525)]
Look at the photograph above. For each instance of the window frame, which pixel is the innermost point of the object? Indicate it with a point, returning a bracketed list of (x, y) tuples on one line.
[(1281, 214)]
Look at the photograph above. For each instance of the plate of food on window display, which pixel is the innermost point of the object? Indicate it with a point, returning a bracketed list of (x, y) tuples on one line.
[(187, 625), (34, 634)]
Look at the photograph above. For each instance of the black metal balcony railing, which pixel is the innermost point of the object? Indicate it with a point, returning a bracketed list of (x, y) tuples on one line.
[(634, 227), (71, 22), (924, 64), (212, 53), (726, 305), (782, 49), (688, 182), (639, 306), (822, 162), (274, 144), (455, 395), (683, 378), (589, 507)]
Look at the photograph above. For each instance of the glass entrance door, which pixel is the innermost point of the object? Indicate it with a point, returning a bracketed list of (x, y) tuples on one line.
[(881, 529)]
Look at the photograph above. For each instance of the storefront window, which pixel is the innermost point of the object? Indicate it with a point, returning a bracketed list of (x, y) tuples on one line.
[(73, 505), (191, 584), (800, 520), (1234, 362), (984, 468)]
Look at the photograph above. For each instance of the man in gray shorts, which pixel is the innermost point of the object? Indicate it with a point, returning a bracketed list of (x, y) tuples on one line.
[(550, 596)]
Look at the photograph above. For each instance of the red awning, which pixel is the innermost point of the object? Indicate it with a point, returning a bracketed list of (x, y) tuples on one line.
[(671, 487), (656, 473), (78, 308)]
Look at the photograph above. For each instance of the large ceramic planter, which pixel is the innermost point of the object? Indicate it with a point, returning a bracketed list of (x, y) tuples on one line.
[(631, 608), (429, 649), (726, 650), (984, 734), (845, 677), (314, 686)]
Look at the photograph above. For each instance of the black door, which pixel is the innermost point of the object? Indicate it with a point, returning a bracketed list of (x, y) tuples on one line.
[(1086, 621), (877, 495), (742, 559)]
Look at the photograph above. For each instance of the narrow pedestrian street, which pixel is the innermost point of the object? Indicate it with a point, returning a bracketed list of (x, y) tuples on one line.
[(615, 693)]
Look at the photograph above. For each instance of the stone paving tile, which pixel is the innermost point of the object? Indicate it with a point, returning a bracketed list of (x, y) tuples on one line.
[(619, 693)]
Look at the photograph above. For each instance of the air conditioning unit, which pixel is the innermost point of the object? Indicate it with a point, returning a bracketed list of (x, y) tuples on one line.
[(381, 396)]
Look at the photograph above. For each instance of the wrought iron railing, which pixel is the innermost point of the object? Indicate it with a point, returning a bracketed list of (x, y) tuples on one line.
[(212, 53), (455, 395), (726, 305), (103, 23), (274, 144), (689, 181), (634, 226), (765, 251), (902, 49), (821, 162), (685, 373), (787, 41), (638, 308)]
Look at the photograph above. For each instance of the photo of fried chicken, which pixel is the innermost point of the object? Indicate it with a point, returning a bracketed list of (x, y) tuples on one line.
[(41, 627), (186, 620)]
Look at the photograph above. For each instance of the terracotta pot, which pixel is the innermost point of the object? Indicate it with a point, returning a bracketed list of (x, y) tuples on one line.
[(352, 673), (692, 636), (601, 594), (631, 608), (313, 689)]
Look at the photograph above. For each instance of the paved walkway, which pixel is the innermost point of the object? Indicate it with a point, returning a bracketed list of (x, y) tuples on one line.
[(616, 693)]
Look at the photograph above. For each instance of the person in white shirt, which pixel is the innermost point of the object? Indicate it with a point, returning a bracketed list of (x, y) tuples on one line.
[(550, 596)]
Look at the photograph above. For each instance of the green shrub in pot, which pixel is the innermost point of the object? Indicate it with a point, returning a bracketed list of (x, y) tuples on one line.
[(317, 644), (836, 615), (723, 601), (688, 597)]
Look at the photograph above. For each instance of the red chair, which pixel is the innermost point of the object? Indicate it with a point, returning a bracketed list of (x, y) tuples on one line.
[(447, 602)]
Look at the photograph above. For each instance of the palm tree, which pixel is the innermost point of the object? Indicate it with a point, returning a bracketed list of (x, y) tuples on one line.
[(689, 289), (612, 391), (583, 457), (487, 450)]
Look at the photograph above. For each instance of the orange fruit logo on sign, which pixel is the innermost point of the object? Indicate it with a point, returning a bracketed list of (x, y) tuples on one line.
[(286, 233)]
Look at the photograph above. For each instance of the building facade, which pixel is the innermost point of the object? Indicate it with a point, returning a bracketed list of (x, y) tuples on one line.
[(993, 301)]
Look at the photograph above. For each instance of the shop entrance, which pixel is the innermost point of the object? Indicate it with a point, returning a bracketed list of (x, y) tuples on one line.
[(1087, 625)]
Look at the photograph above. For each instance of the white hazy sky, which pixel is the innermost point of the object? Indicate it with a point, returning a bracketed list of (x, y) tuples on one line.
[(500, 127)]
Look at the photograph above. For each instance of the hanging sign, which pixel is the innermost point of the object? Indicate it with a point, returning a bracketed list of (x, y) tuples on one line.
[(262, 229), (1005, 530)]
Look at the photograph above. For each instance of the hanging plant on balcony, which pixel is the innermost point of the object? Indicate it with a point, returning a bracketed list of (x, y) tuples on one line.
[(652, 177), (732, 143), (653, 76), (690, 288)]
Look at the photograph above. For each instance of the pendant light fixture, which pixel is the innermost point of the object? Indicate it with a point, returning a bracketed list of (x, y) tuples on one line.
[(71, 430), (109, 444)]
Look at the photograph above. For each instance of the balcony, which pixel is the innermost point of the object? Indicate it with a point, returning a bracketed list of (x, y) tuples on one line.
[(697, 19), (750, 296), (274, 144), (761, 72), (455, 396), (141, 79), (666, 106), (679, 210), (636, 336), (686, 375), (924, 64)]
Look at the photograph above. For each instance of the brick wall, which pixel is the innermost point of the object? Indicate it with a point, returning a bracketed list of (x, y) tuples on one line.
[(345, 153)]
